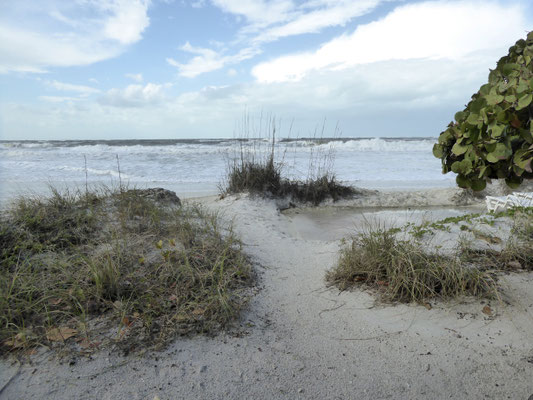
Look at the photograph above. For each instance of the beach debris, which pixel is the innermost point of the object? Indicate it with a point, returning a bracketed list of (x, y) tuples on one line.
[(60, 334), (17, 341), (487, 310), (514, 265)]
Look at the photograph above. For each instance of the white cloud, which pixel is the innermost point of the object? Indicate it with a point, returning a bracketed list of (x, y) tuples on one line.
[(135, 95), (416, 31), (322, 14), (258, 13), (68, 87), (135, 77), (208, 60), (33, 38), (128, 20), (270, 21)]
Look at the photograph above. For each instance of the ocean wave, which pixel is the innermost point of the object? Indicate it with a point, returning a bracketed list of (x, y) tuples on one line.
[(25, 145), (383, 145), (204, 147), (98, 172)]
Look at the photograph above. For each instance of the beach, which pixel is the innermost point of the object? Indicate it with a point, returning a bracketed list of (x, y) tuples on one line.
[(300, 338)]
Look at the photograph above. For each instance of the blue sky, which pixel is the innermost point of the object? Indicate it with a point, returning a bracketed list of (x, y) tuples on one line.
[(120, 69)]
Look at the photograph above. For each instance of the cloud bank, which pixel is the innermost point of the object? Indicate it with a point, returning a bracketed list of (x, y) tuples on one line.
[(33, 38)]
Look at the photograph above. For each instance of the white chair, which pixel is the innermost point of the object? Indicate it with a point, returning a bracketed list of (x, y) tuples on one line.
[(513, 200)]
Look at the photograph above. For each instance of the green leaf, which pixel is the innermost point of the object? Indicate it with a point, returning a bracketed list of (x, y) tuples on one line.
[(456, 167), (463, 181), (445, 137), (438, 151), (485, 89), (502, 151), (482, 171), (524, 101), (508, 69), (473, 119), (475, 106), (510, 98), (496, 130), (490, 147), (460, 116), (517, 170), (457, 149), (522, 86), (494, 98), (513, 182), (501, 116), (502, 86), (492, 158), (522, 158), (478, 184), (494, 76)]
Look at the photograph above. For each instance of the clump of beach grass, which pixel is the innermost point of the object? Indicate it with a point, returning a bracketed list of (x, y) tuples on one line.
[(121, 268), (260, 171), (403, 271)]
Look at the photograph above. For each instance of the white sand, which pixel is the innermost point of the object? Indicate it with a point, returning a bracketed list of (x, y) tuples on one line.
[(299, 339)]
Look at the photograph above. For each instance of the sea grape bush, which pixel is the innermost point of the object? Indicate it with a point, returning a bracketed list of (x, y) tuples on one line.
[(492, 138)]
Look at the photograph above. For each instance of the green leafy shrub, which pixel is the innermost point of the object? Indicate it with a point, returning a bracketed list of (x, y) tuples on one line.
[(492, 138)]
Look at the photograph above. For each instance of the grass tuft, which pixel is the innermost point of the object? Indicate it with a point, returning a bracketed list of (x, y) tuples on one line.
[(404, 272), (121, 267), (264, 176)]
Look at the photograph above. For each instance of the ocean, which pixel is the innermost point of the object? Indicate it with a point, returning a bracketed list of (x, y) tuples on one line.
[(197, 167)]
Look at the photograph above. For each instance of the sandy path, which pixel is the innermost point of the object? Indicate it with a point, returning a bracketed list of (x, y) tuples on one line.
[(301, 340)]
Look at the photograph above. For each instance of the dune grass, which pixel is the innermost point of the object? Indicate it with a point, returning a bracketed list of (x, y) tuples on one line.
[(403, 271), (265, 178), (260, 171), (123, 268)]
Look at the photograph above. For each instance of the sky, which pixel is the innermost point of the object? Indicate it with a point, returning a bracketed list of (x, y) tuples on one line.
[(142, 69)]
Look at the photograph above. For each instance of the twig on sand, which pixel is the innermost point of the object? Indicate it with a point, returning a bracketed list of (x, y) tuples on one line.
[(331, 309)]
